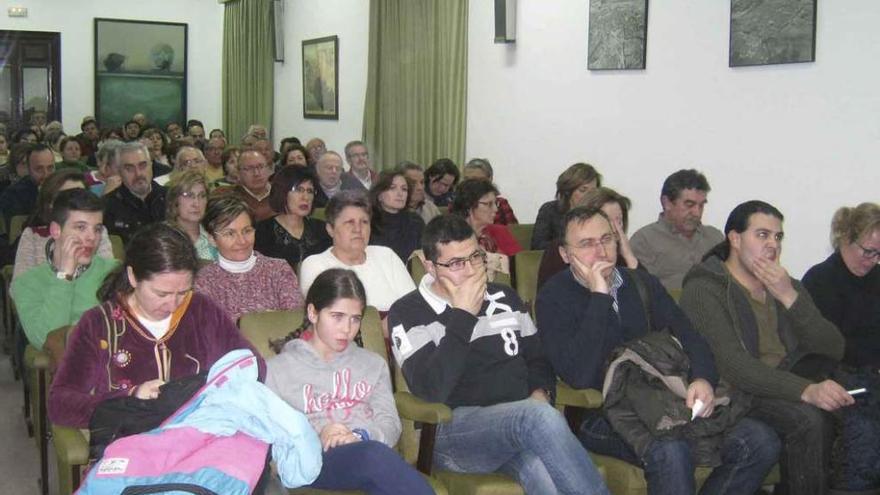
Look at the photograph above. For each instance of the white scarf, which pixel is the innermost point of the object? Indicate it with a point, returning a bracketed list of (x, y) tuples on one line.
[(237, 266)]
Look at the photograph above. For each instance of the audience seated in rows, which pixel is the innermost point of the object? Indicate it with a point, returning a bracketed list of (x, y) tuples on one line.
[(677, 240), (616, 208), (480, 168), (587, 312), (769, 340), (59, 288), (329, 171), (381, 271), (419, 202), (242, 280), (149, 328), (441, 178), (394, 225), (34, 237), (571, 186), (494, 377), (846, 286), (139, 200), (292, 234), (358, 424), (475, 202), (360, 175), (185, 201)]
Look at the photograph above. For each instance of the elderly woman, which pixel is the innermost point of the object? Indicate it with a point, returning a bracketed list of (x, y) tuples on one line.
[(383, 274), (242, 280), (105, 179), (616, 207), (480, 168), (571, 186), (185, 203), (475, 201), (846, 286), (394, 224), (35, 236), (150, 328), (292, 235)]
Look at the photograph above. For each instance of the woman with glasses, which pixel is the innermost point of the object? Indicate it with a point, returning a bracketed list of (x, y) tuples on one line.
[(394, 224), (292, 234), (185, 204), (846, 286), (475, 201), (241, 280), (381, 271)]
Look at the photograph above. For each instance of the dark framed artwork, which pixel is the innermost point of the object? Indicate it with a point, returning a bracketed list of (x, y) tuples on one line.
[(140, 66), (618, 34), (320, 69), (766, 32)]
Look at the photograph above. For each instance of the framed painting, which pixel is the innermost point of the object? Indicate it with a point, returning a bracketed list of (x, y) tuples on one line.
[(764, 32), (140, 67), (320, 69), (618, 34)]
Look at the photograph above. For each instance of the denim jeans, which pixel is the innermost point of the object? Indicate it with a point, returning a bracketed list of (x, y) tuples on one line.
[(748, 452), (372, 467), (527, 439)]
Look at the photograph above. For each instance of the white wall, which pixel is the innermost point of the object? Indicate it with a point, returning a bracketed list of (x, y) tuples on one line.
[(74, 19), (804, 137), (308, 19)]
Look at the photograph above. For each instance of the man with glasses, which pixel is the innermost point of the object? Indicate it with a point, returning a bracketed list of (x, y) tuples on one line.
[(139, 200), (253, 183), (471, 345), (360, 175), (588, 311), (770, 340)]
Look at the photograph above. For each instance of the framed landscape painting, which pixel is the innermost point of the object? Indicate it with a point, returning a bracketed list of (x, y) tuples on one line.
[(140, 66), (618, 34), (766, 32), (320, 69)]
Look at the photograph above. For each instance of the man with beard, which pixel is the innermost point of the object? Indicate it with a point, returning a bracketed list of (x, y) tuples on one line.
[(770, 341), (139, 200), (669, 247)]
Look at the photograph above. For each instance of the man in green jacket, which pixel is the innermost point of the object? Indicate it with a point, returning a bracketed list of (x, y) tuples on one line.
[(760, 324), (57, 292)]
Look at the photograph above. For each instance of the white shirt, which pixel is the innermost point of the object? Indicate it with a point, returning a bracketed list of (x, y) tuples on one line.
[(157, 328)]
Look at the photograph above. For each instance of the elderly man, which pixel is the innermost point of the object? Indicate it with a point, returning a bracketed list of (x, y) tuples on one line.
[(316, 148), (139, 200), (329, 168), (419, 202), (360, 175), (253, 183), (669, 247)]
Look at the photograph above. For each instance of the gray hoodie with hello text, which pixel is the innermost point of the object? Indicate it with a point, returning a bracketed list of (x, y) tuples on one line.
[(354, 388)]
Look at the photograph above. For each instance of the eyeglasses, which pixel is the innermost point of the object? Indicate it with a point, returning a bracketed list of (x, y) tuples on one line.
[(477, 259), (304, 190), (193, 161), (604, 242), (869, 254), (254, 170), (232, 234), (192, 195)]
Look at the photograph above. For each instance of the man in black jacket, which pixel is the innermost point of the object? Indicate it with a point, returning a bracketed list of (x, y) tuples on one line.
[(585, 312), (471, 345), (139, 200)]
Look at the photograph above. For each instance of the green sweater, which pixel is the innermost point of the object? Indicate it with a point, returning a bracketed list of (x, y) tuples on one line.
[(44, 302), (719, 309)]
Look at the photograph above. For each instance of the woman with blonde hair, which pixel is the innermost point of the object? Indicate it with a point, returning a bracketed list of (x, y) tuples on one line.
[(185, 204), (846, 286)]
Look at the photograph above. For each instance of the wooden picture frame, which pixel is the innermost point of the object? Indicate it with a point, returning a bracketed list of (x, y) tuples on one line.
[(140, 67), (320, 70)]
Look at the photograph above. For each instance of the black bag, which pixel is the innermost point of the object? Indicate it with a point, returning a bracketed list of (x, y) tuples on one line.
[(124, 416)]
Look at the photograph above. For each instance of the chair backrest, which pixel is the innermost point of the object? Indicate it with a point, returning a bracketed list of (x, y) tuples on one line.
[(522, 232), (118, 247), (525, 271), (16, 225), (260, 328), (318, 213)]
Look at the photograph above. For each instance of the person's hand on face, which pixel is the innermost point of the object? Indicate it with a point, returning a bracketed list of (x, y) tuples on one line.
[(592, 277), (69, 248), (469, 294), (775, 279)]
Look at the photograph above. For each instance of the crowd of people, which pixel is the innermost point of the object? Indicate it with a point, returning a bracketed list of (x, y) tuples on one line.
[(707, 351)]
